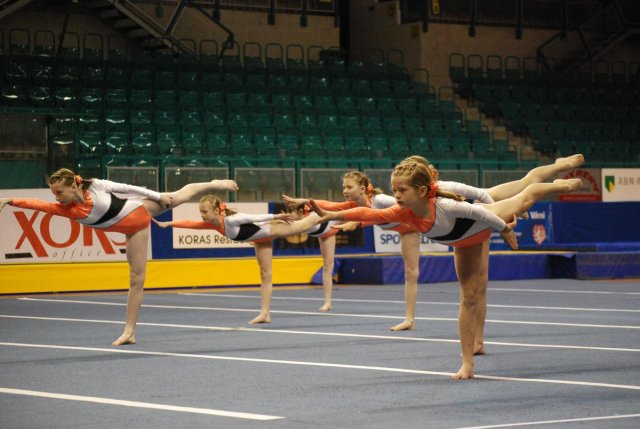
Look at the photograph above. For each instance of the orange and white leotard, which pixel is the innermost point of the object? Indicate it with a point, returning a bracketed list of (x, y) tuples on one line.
[(101, 209), (451, 222), (325, 229), (238, 227)]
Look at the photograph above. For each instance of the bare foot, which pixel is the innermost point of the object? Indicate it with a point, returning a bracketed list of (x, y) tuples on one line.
[(407, 325), (464, 373), (326, 307), (125, 339), (570, 162), (478, 349), (571, 184), (261, 318), (229, 185)]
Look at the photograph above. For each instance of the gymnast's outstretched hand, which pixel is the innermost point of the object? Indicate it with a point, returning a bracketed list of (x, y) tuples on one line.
[(294, 202), (347, 226), (166, 201), (286, 217), (4, 202), (508, 235), (161, 224), (325, 215)]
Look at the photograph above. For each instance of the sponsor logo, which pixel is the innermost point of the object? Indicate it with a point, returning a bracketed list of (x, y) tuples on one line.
[(539, 233), (38, 232), (610, 183), (537, 215)]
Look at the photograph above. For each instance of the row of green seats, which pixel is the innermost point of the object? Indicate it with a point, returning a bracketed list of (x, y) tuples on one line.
[(287, 142)]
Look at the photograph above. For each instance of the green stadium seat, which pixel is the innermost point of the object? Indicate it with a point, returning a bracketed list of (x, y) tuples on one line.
[(168, 140), (143, 138), (311, 143), (214, 118), (213, 99), (193, 141), (165, 98), (328, 120), (190, 118), (399, 145), (265, 142), (189, 80), (258, 99), (117, 142), (255, 82), (261, 117), (281, 100), (284, 118), (165, 117), (303, 101), (211, 81), (117, 98), (413, 121), (307, 119), (325, 102), (189, 99), (236, 99), (241, 142), (217, 141), (378, 145), (238, 117), (277, 82), (333, 141), (90, 142), (91, 98), (366, 103), (142, 78), (141, 99), (345, 102), (392, 121), (350, 119), (371, 120), (141, 117), (233, 82), (289, 143)]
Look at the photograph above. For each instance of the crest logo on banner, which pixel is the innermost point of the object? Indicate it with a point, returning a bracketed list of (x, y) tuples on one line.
[(539, 233), (610, 183)]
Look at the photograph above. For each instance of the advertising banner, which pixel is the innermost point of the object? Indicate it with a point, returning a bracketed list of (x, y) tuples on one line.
[(30, 236), (386, 241), (620, 184), (207, 238), (590, 190), (537, 231)]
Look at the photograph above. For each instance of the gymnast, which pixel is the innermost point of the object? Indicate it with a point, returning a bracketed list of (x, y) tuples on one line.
[(259, 229), (92, 202), (446, 218)]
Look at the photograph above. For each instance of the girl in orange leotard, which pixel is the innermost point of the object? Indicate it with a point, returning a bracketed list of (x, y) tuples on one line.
[(358, 192), (92, 202), (257, 229), (445, 217)]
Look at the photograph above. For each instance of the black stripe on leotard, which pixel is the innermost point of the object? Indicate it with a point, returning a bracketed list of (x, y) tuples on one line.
[(460, 228), (322, 228), (115, 207), (247, 230)]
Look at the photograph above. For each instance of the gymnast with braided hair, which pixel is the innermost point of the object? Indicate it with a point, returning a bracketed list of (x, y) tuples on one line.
[(446, 218)]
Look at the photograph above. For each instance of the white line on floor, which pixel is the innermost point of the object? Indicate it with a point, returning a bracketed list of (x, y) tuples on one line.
[(322, 364), (381, 301), (328, 334), (549, 422), (136, 404), (332, 314)]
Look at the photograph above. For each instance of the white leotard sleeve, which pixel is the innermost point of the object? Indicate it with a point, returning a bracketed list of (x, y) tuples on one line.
[(122, 188), (242, 218), (469, 192), (382, 201), (462, 209)]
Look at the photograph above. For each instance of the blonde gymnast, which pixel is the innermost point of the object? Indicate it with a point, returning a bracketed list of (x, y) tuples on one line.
[(446, 218), (92, 202)]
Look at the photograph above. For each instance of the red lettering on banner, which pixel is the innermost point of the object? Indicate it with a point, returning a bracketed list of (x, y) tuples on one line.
[(36, 240), (45, 231), (29, 233), (104, 240)]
